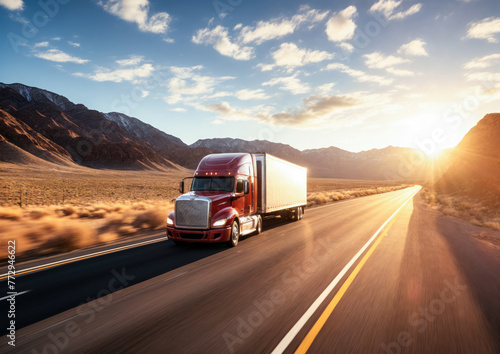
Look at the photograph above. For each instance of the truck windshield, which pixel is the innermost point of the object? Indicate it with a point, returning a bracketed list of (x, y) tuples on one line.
[(222, 184)]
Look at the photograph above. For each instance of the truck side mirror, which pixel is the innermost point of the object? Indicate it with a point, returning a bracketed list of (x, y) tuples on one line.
[(246, 186), (181, 186)]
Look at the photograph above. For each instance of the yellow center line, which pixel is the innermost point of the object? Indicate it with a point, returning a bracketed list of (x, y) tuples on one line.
[(308, 340)]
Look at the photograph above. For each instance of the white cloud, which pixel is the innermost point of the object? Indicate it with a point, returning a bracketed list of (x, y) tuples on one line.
[(400, 72), (133, 75), (56, 38), (132, 60), (236, 44), (415, 48), (387, 8), (315, 109), (145, 93), (137, 11), (349, 48), (360, 76), (218, 94), (483, 77), (74, 44), (290, 55), (377, 60), (219, 38), (168, 40), (279, 27), (179, 109), (325, 88), (60, 57), (195, 85), (12, 5), (484, 29), (41, 44), (481, 63), (290, 83), (226, 112), (188, 85), (403, 14), (265, 67), (246, 94), (340, 27)]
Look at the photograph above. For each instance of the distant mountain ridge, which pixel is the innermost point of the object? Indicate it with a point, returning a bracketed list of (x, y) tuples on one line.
[(388, 163), (51, 127)]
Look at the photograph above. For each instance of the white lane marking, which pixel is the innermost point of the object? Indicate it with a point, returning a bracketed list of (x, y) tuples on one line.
[(175, 276), (285, 342), (16, 294), (87, 255)]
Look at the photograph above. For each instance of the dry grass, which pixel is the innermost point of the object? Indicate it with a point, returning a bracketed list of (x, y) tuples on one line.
[(49, 212), (56, 229), (322, 197), (464, 208)]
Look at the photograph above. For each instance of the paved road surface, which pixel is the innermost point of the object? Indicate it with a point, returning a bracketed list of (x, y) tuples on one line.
[(422, 285)]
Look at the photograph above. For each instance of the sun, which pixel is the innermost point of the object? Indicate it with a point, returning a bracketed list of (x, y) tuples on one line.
[(430, 133)]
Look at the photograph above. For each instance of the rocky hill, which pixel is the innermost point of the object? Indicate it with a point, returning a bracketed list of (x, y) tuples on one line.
[(52, 128), (475, 163)]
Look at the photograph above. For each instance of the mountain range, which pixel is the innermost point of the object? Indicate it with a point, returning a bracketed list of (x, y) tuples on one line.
[(39, 126)]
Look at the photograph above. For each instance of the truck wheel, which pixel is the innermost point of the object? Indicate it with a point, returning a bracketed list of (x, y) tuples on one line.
[(298, 214), (258, 230), (235, 234)]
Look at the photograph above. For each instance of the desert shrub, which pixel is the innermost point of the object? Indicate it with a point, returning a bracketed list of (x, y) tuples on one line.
[(493, 224), (107, 237), (12, 213), (68, 210), (67, 236), (152, 219), (39, 213), (126, 230)]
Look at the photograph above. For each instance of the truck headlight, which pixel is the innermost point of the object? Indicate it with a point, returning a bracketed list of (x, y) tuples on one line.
[(170, 221), (219, 223)]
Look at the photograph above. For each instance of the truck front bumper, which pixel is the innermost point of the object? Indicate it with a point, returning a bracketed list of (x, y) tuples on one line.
[(205, 236)]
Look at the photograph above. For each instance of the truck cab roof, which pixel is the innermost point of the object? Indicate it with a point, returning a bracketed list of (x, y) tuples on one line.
[(225, 164)]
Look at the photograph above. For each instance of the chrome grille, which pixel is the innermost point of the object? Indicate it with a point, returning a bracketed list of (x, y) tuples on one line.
[(191, 213)]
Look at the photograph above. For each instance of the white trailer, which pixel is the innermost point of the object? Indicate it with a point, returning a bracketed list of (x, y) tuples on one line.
[(282, 185)]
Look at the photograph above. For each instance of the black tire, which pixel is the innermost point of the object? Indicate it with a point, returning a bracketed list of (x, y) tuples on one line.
[(235, 234), (258, 230), (298, 214)]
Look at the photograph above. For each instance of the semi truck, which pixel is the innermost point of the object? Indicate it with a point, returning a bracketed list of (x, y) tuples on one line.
[(230, 195)]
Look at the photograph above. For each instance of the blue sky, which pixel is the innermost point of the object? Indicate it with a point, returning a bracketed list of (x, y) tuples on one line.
[(352, 74)]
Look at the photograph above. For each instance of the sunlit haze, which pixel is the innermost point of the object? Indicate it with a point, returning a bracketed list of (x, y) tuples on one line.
[(356, 75)]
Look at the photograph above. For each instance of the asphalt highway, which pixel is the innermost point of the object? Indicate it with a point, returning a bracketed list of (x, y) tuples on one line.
[(380, 274)]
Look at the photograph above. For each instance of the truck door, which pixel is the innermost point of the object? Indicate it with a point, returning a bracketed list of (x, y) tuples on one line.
[(240, 203)]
